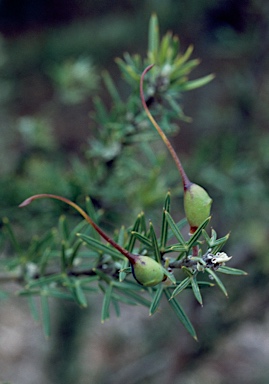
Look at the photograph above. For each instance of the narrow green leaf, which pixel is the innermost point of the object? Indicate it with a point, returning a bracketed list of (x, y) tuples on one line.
[(170, 276), (60, 294), (175, 230), (138, 298), (44, 260), (207, 238), (137, 59), (193, 239), (110, 85), (90, 289), (38, 243), (88, 279), (219, 244), (130, 60), (181, 224), (33, 307), (128, 72), (116, 307), (143, 239), (91, 211), (123, 299), (181, 315), (45, 313), (121, 236), (164, 47), (80, 296), (102, 275), (100, 110), (183, 284), (203, 284), (164, 228), (180, 73), (128, 270), (28, 292), (181, 59), (63, 228), (175, 248), (132, 238), (171, 53), (175, 43), (143, 224), (100, 247), (123, 274), (77, 229), (187, 271), (64, 258), (106, 303), (11, 235), (176, 107), (196, 290), (213, 235), (218, 281), (75, 250), (130, 285), (153, 39), (232, 271), (155, 244), (156, 300), (213, 242), (131, 75), (46, 280), (80, 285), (192, 84), (167, 203)]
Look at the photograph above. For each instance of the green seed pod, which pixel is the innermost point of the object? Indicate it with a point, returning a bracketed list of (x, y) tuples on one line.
[(197, 205), (147, 271)]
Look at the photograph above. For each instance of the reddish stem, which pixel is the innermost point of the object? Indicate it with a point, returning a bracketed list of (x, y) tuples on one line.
[(131, 257), (185, 180), (195, 250)]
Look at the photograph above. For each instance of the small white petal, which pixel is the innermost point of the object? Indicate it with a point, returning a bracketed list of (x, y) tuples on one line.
[(220, 257)]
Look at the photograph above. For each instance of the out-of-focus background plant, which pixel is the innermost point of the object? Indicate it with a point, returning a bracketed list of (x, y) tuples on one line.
[(55, 60)]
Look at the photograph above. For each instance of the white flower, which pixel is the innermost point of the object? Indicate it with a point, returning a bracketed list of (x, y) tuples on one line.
[(220, 257)]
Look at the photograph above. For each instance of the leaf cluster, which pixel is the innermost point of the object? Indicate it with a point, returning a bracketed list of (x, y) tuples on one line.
[(170, 75), (71, 264), (123, 125)]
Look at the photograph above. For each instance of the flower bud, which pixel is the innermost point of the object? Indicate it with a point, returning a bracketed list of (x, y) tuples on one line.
[(147, 271), (197, 205)]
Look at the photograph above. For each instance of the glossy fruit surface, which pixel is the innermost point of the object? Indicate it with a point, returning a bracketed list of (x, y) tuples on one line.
[(197, 205), (147, 271)]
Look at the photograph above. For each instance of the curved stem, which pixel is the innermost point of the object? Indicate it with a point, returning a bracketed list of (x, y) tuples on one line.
[(185, 180), (123, 251)]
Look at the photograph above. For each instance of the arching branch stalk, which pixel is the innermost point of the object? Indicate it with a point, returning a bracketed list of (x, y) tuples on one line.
[(185, 180), (123, 251)]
